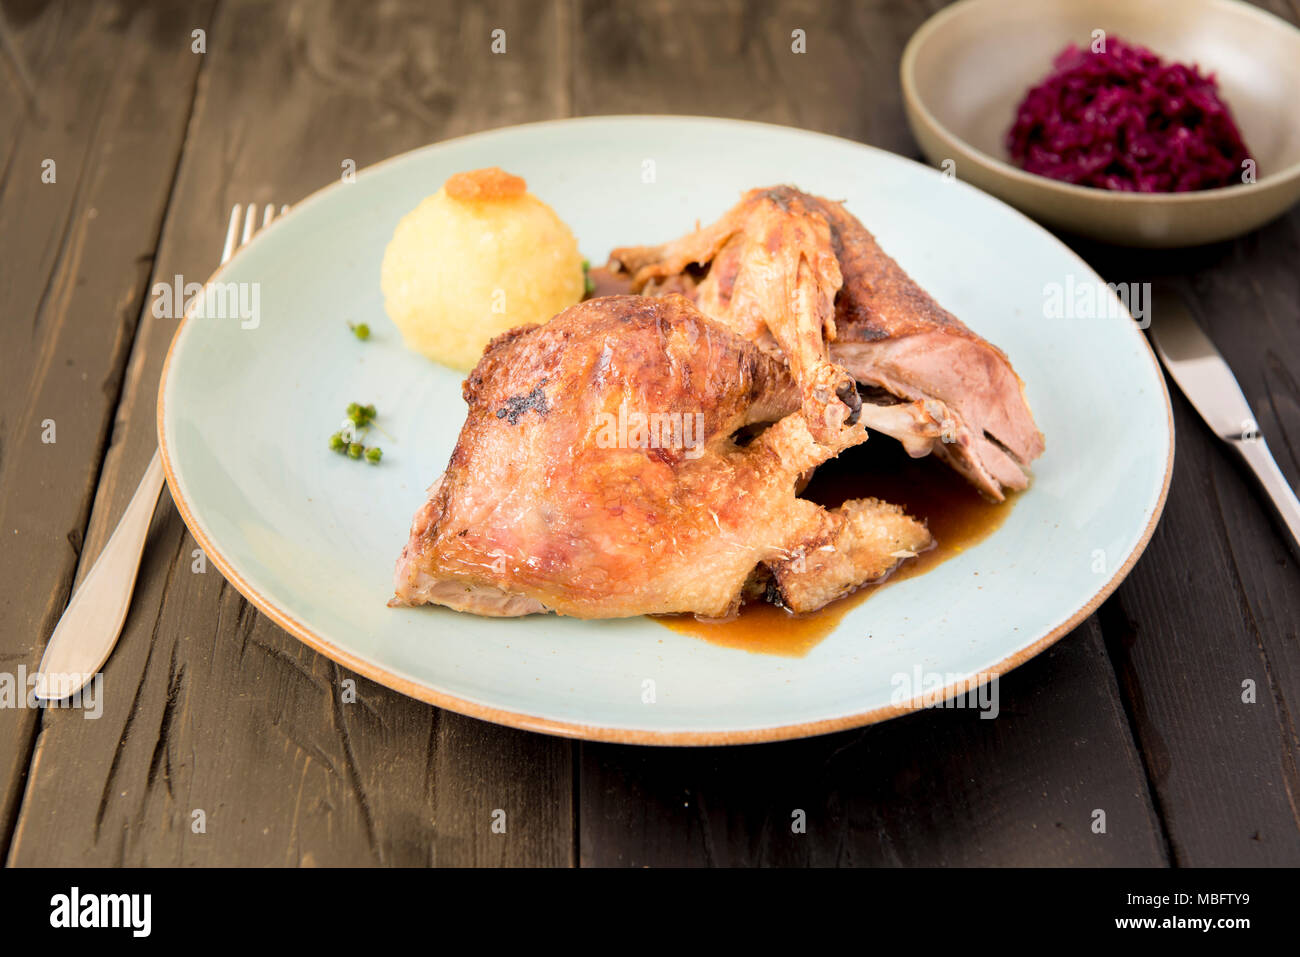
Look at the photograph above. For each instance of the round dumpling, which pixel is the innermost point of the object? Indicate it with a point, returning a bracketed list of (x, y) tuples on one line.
[(480, 256)]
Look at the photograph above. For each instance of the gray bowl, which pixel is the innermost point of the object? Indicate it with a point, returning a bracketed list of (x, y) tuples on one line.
[(967, 68)]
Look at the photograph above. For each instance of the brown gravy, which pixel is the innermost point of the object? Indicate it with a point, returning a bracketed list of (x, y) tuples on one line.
[(958, 516)]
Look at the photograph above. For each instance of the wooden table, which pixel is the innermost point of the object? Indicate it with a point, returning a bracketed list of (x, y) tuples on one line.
[(210, 707)]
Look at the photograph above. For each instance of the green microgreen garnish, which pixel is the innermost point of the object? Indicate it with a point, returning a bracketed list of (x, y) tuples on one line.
[(347, 441), (361, 415), (360, 330)]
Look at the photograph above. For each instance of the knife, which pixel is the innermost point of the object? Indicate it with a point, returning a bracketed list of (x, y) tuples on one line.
[(1203, 375)]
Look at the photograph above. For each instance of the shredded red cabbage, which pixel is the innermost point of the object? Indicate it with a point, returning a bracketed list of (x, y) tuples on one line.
[(1122, 119)]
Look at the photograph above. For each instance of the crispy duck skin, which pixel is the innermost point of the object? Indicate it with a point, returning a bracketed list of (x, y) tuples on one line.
[(549, 504), (773, 279), (894, 336), (926, 379)]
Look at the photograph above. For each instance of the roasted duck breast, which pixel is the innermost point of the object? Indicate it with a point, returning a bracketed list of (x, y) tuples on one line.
[(783, 267), (633, 456)]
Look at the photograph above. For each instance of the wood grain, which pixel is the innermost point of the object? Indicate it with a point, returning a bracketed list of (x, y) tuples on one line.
[(1216, 601), (939, 788), (208, 706), (734, 58), (107, 104)]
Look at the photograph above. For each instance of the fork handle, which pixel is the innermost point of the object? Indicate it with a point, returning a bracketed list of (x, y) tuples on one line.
[(1256, 454), (90, 626)]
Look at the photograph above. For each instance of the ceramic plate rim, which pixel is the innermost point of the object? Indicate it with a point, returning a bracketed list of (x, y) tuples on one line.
[(622, 735)]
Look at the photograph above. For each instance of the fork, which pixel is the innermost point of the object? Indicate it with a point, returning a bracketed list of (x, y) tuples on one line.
[(93, 620)]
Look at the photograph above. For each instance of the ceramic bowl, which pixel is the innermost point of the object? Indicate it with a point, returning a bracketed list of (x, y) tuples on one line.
[(967, 68)]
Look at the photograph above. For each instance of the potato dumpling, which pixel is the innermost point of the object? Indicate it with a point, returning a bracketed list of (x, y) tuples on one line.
[(478, 257)]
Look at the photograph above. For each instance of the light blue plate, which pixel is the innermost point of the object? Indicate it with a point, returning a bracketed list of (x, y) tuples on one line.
[(311, 537)]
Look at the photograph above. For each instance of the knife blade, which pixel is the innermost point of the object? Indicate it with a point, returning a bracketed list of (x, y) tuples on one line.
[(1204, 377)]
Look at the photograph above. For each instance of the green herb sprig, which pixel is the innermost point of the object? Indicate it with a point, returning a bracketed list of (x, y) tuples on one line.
[(361, 417)]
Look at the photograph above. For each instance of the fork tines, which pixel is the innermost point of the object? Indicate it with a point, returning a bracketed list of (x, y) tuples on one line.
[(248, 214)]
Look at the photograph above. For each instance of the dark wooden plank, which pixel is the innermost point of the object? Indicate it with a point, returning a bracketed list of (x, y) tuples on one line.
[(90, 89), (1216, 602), (734, 58), (1213, 602), (1215, 605), (938, 788), (207, 705)]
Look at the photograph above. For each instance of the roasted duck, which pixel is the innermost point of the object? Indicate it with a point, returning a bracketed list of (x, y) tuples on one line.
[(633, 456), (772, 277), (799, 275)]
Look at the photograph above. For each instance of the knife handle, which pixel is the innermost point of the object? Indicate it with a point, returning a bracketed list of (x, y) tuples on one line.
[(1256, 454)]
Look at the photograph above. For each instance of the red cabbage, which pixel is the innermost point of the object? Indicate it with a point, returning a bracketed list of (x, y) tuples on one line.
[(1123, 119)]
